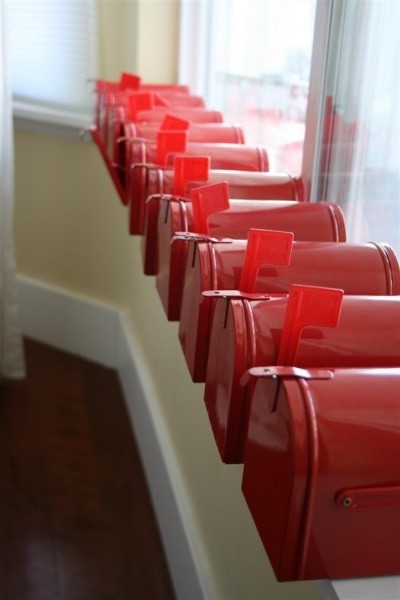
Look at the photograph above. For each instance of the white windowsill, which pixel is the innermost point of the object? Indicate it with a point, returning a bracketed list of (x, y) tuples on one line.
[(50, 121)]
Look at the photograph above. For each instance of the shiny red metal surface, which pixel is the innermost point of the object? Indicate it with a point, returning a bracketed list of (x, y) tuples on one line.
[(358, 269), (229, 156), (195, 115), (252, 186), (135, 82), (257, 186), (248, 331), (319, 222), (131, 143), (223, 133), (321, 475), (168, 144)]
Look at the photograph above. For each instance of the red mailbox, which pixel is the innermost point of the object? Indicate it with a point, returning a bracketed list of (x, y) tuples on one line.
[(249, 331), (358, 269), (319, 222), (243, 185), (321, 471), (168, 144), (128, 136), (145, 156)]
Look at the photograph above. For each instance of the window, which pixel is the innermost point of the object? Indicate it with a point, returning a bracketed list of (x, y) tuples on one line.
[(52, 54), (256, 65), (359, 159)]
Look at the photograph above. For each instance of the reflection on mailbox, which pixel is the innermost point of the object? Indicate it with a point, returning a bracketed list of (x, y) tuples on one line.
[(321, 472), (151, 167), (241, 184), (319, 222), (358, 269), (250, 330)]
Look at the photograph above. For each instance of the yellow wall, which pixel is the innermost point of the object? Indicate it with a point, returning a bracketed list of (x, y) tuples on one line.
[(71, 232)]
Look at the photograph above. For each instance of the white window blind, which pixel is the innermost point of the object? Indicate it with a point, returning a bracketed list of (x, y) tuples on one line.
[(53, 53)]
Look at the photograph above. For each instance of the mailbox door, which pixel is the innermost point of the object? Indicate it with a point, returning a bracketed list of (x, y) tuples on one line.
[(209, 266), (341, 524), (169, 279), (353, 514), (233, 349), (196, 311), (155, 206), (276, 471), (146, 180)]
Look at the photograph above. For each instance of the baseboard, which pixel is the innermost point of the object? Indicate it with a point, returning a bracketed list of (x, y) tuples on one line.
[(68, 321), (99, 332)]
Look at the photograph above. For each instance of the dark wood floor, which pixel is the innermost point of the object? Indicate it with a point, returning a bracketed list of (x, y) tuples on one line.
[(75, 517)]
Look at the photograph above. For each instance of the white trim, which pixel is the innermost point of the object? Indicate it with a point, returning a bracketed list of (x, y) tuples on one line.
[(316, 98), (68, 321), (99, 332), (49, 121)]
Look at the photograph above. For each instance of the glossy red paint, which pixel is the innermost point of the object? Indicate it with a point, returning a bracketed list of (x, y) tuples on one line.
[(248, 331), (321, 475), (358, 269), (195, 115), (143, 156), (319, 222)]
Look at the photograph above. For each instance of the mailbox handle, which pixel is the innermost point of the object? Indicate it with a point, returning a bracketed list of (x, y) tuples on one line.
[(189, 168), (207, 200), (173, 123), (168, 142), (264, 247), (361, 498), (307, 306)]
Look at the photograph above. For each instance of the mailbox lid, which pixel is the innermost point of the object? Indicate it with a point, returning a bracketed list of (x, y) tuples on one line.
[(353, 491)]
